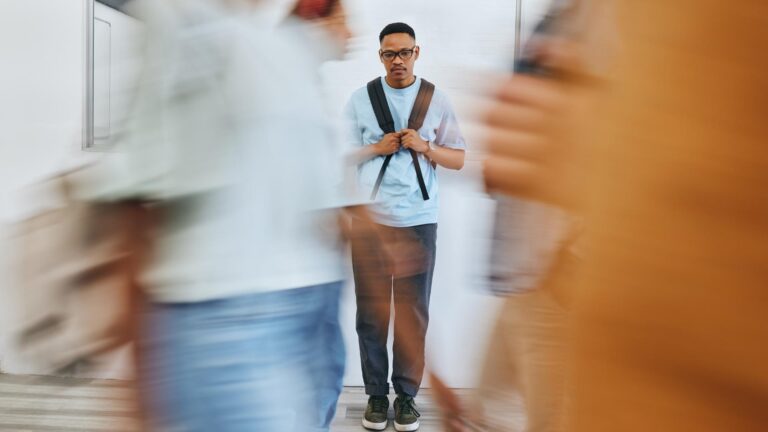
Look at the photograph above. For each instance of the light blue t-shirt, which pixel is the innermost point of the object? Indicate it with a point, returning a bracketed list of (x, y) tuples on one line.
[(399, 202)]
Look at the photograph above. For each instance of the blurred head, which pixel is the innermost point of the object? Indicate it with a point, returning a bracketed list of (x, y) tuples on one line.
[(329, 15), (313, 9), (398, 53)]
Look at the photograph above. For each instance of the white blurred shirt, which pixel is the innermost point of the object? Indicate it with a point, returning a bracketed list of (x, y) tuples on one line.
[(230, 136)]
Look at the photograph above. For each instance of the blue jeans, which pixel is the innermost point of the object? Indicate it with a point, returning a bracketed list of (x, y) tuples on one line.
[(263, 362), (375, 289)]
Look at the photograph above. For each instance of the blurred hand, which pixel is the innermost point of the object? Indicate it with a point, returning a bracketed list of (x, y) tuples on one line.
[(389, 144), (452, 413), (532, 125), (411, 139), (404, 256)]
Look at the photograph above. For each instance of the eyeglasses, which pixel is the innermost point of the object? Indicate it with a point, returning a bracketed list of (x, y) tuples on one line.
[(404, 54)]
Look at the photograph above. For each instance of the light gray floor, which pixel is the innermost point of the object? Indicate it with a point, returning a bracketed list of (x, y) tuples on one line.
[(64, 405), (68, 405)]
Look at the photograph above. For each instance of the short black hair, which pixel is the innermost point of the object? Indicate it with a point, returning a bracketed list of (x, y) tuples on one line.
[(397, 27)]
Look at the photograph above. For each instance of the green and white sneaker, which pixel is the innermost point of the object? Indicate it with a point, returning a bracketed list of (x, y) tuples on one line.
[(375, 417), (406, 415)]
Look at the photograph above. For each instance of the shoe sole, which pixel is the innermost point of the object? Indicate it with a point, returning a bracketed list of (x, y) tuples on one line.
[(406, 427), (375, 426)]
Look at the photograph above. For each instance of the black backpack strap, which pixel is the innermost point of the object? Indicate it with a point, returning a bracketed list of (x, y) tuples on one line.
[(385, 120), (415, 121), (380, 106), (387, 125), (421, 106)]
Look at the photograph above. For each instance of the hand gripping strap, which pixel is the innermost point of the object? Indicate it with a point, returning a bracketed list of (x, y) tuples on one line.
[(387, 124)]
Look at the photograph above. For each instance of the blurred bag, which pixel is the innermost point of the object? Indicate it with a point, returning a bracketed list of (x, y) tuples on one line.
[(77, 269), (528, 238)]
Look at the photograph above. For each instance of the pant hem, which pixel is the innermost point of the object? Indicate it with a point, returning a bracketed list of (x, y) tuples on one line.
[(412, 392), (377, 390)]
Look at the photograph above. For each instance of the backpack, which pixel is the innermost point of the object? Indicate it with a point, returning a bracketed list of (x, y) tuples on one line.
[(387, 124)]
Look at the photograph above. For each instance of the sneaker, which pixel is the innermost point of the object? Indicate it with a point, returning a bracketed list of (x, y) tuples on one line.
[(375, 417), (406, 415)]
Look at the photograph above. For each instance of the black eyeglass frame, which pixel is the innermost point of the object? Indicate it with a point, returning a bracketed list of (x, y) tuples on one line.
[(400, 53)]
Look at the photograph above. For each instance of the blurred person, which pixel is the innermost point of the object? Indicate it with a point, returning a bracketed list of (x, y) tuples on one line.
[(231, 146), (396, 259), (535, 247), (671, 304), (533, 243), (667, 167)]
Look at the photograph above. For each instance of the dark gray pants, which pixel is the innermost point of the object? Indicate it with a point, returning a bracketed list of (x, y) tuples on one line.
[(375, 287)]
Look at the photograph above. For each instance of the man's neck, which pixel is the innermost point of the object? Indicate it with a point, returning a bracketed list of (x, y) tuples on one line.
[(401, 84)]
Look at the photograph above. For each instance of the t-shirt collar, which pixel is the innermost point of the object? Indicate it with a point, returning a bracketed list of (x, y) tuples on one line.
[(404, 89)]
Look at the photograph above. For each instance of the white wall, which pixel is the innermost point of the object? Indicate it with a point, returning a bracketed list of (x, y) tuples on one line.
[(41, 113), (41, 102), (42, 105)]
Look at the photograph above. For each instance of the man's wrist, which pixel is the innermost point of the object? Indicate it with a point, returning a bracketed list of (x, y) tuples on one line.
[(430, 148)]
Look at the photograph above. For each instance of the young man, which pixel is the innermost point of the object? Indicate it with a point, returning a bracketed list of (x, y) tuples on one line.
[(398, 167)]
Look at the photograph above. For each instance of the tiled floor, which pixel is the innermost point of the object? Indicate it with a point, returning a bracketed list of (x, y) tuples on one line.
[(66, 405)]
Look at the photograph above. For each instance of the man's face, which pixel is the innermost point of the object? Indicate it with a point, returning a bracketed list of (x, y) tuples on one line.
[(393, 48)]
